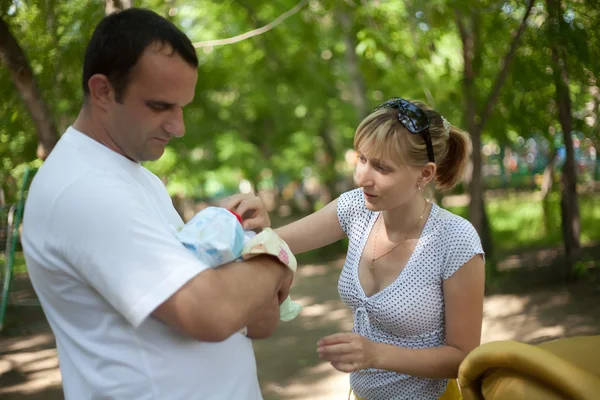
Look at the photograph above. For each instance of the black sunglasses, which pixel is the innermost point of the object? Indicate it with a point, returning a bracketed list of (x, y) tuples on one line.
[(413, 119)]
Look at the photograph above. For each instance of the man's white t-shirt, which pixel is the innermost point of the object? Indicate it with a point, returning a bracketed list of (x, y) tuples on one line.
[(101, 253)]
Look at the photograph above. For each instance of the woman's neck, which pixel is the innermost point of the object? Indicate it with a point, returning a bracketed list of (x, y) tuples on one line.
[(405, 219)]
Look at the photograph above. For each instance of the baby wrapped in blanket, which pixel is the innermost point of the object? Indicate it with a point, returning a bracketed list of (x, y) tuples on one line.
[(216, 237)]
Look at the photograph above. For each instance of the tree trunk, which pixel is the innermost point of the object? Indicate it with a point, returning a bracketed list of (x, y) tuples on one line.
[(596, 128), (548, 177), (503, 172), (61, 120), (569, 203), (476, 120), (546, 190), (472, 62), (357, 81), (12, 55), (329, 170)]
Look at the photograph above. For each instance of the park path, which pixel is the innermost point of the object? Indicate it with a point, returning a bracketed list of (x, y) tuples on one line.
[(289, 368)]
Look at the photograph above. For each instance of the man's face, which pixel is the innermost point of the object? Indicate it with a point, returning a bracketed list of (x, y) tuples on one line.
[(151, 111)]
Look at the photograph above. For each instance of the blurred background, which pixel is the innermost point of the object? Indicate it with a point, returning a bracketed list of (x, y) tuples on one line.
[(282, 87)]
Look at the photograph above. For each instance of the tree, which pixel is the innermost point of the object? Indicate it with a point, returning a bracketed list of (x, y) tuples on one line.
[(469, 24), (569, 204), (13, 57)]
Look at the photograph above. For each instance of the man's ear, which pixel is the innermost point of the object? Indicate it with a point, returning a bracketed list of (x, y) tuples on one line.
[(101, 91)]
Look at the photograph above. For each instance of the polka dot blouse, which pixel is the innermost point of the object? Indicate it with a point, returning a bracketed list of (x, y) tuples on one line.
[(410, 311)]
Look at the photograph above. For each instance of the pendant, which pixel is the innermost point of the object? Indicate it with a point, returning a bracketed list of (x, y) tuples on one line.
[(372, 267)]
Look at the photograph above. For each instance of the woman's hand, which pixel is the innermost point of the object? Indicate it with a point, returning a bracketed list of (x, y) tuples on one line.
[(347, 352), (251, 208)]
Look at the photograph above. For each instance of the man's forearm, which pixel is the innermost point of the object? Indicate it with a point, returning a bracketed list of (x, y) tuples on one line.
[(220, 301), (267, 322), (249, 288)]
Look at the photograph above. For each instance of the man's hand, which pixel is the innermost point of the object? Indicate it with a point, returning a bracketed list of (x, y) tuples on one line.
[(250, 208)]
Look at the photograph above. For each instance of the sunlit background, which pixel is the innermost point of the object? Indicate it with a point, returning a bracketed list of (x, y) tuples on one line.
[(282, 87)]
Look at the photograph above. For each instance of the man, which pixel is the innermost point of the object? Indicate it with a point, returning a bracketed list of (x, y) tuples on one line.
[(135, 314)]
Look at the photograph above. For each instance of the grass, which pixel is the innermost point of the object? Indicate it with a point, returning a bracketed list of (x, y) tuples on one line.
[(19, 263), (520, 222)]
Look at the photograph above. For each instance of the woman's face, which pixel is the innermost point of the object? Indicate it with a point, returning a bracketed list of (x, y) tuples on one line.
[(385, 184)]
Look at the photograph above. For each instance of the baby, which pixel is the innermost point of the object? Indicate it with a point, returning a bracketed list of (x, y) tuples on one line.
[(216, 237)]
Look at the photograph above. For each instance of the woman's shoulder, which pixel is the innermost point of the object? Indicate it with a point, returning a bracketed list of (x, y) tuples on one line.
[(454, 226), (351, 209), (352, 202), (353, 198), (459, 239)]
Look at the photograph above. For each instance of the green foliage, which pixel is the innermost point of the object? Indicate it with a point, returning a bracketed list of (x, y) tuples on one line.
[(270, 108), (524, 221)]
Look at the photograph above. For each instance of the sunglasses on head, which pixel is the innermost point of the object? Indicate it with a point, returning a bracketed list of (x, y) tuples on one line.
[(413, 119)]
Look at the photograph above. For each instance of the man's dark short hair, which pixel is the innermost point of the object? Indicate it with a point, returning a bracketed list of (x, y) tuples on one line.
[(119, 41)]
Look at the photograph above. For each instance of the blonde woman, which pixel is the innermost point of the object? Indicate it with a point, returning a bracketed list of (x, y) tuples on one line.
[(414, 272)]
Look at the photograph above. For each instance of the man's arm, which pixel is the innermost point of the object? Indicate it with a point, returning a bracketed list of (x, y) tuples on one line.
[(219, 302), (266, 324), (132, 259)]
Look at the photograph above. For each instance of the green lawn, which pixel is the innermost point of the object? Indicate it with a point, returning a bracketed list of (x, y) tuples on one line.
[(519, 222), (19, 263)]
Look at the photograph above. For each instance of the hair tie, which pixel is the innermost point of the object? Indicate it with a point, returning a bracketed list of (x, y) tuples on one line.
[(447, 127)]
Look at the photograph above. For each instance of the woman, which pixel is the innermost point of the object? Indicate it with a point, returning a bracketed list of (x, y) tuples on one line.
[(414, 272)]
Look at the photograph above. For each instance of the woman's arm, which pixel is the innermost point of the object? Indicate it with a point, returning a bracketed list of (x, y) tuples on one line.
[(314, 231), (463, 296)]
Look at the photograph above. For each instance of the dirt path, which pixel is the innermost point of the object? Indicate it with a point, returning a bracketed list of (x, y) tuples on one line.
[(289, 368)]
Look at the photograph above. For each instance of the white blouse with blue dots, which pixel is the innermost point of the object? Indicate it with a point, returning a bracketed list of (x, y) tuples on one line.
[(410, 311)]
